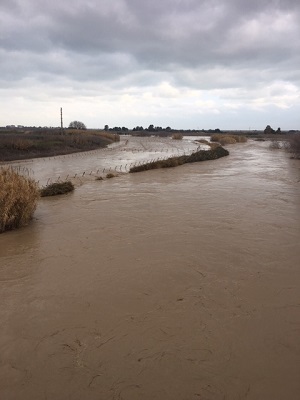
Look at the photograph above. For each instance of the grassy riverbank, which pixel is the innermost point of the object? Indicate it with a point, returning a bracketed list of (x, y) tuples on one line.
[(15, 145)]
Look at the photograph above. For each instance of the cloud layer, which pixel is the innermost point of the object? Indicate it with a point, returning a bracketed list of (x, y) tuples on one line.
[(183, 63)]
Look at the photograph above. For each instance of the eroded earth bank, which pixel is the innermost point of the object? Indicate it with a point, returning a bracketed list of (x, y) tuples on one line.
[(168, 284)]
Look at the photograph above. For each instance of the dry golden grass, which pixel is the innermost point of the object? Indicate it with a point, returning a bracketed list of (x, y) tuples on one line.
[(177, 136), (21, 144), (228, 139), (86, 132), (112, 136), (18, 199), (240, 138)]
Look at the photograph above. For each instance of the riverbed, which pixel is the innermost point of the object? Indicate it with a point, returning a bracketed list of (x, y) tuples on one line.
[(168, 284)]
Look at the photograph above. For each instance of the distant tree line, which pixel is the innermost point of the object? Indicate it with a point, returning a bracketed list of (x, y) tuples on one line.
[(152, 128), (268, 130)]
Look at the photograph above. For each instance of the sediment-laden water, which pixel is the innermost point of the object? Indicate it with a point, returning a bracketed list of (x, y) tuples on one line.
[(168, 284), (116, 158)]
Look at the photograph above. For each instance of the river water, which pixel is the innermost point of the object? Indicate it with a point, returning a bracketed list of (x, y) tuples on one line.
[(116, 158), (167, 284)]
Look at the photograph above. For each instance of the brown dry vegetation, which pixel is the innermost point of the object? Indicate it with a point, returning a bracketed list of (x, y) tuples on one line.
[(177, 136), (57, 188), (114, 137), (201, 155), (46, 143), (18, 199), (228, 139)]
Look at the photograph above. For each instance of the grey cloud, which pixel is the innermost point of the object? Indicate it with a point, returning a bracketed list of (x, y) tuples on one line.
[(134, 42)]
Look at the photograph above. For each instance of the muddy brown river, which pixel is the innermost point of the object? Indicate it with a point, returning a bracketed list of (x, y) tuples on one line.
[(175, 284)]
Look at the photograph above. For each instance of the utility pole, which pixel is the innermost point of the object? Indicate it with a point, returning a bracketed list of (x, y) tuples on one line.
[(61, 122)]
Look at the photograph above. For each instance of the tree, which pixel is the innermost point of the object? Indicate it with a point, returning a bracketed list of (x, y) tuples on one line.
[(268, 130), (106, 127), (77, 125)]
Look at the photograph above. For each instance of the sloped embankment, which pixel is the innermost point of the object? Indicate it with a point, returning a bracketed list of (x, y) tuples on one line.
[(201, 155)]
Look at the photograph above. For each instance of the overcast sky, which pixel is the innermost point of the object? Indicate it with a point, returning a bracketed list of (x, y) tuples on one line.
[(228, 64)]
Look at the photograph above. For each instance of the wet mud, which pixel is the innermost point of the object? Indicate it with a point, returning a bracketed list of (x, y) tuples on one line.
[(166, 284)]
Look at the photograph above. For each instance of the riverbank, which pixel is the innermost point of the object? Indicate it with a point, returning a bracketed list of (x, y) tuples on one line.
[(47, 143)]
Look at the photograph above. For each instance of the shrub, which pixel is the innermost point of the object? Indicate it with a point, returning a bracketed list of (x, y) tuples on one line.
[(228, 139), (215, 137), (177, 136), (110, 175), (57, 188), (18, 199)]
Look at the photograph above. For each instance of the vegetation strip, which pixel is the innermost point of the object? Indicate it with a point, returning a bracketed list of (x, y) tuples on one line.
[(201, 155), (57, 188)]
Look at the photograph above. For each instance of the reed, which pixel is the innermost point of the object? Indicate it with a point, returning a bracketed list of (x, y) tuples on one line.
[(228, 139), (18, 199)]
